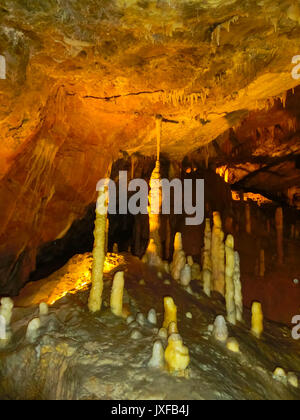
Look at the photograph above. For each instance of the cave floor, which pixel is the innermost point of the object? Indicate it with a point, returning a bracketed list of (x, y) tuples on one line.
[(80, 356)]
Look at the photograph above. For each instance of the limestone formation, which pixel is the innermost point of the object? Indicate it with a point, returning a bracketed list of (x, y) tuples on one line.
[(152, 317), (233, 345), (293, 379), (33, 329), (44, 309), (163, 333), (257, 326), (238, 296), (117, 291), (177, 355), (218, 255), (229, 272), (140, 319), (170, 312), (220, 331), (280, 375), (186, 275), (157, 360)]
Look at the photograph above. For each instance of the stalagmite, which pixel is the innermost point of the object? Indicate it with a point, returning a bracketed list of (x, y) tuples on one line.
[(130, 319), (238, 297), (116, 298), (172, 328), (136, 335), (280, 375), (44, 309), (6, 309), (229, 296), (248, 218), (292, 379), (220, 330), (262, 268), (33, 329), (207, 264), (186, 275), (115, 248), (155, 201), (157, 360), (257, 326), (152, 317), (95, 299), (170, 312), (233, 345), (179, 259), (218, 255), (279, 230), (177, 355)]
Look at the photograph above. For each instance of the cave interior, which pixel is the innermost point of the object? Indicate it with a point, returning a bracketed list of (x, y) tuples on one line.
[(183, 90)]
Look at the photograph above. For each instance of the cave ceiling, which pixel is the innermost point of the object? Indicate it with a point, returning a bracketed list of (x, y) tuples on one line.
[(106, 68)]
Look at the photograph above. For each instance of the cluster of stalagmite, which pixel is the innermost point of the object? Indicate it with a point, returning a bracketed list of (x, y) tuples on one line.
[(116, 298), (257, 322), (179, 258), (229, 281), (6, 310), (175, 358), (238, 297)]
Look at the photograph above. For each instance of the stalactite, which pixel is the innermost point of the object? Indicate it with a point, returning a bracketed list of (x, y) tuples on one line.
[(218, 255), (279, 230), (207, 264), (95, 299), (170, 314), (229, 271)]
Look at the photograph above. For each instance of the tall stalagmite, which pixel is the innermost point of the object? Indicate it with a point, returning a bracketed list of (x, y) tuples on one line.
[(207, 264), (155, 199), (95, 299), (229, 271), (218, 255)]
